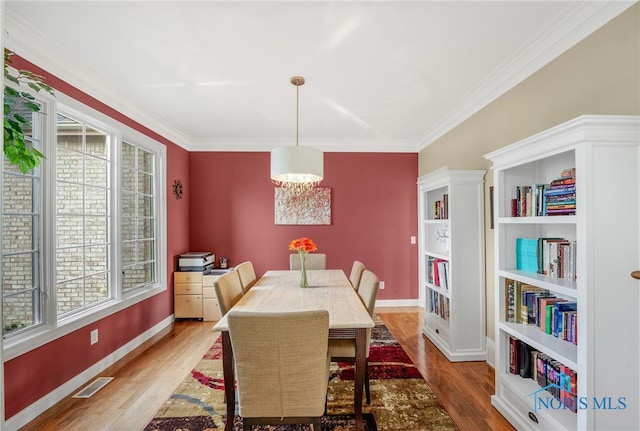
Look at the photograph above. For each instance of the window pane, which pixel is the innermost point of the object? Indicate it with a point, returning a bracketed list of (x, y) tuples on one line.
[(129, 249), (145, 161), (145, 228), (145, 183), (17, 275), (70, 296), (18, 234), (97, 143), (138, 275), (21, 217), (97, 229), (128, 179), (97, 259), (68, 231), (96, 202), (138, 217), (18, 312), (97, 288), (128, 204), (17, 196), (145, 206), (69, 263), (69, 198), (97, 171)]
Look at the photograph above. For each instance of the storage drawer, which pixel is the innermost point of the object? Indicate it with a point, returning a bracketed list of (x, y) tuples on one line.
[(187, 289), (187, 277), (435, 324), (208, 292), (207, 280), (188, 306)]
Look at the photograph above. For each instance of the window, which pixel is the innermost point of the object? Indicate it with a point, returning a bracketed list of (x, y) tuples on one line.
[(84, 235), (21, 245), (83, 216), (138, 217)]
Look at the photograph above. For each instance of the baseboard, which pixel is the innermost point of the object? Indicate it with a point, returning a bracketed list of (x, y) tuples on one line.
[(61, 392), (397, 303)]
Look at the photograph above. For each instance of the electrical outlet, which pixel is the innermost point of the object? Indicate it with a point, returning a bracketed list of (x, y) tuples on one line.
[(382, 285), (413, 240), (94, 336)]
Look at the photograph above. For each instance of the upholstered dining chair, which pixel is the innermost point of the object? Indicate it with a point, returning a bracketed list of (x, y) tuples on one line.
[(228, 290), (356, 273), (247, 275), (282, 366), (345, 350), (313, 261)]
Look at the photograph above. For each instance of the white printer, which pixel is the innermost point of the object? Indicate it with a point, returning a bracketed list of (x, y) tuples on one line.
[(197, 261)]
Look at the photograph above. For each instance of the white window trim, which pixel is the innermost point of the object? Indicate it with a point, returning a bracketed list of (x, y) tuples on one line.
[(50, 329)]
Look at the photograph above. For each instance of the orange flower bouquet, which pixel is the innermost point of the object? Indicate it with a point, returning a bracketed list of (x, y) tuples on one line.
[(303, 246)]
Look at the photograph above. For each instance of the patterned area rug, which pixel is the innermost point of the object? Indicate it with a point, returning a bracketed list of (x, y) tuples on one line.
[(400, 398)]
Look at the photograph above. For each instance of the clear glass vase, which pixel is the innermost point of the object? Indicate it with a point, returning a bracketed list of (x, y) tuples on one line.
[(303, 270)]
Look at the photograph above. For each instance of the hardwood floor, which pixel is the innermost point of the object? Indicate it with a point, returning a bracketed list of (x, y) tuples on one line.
[(147, 377)]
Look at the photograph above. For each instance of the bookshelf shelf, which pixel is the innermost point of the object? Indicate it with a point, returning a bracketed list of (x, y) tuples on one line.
[(561, 350), (451, 230), (604, 152)]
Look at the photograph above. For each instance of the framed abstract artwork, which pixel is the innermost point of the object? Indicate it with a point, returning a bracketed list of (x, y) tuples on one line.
[(313, 208)]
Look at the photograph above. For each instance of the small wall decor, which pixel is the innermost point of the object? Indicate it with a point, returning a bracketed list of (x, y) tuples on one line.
[(306, 209), (177, 189)]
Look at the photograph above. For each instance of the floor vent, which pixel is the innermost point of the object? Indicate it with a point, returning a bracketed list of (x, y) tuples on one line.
[(93, 387)]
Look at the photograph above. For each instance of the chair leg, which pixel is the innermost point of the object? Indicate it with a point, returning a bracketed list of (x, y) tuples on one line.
[(246, 425), (317, 424), (366, 381)]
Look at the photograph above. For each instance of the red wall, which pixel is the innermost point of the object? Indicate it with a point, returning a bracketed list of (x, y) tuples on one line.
[(40, 371), (373, 211), (227, 208)]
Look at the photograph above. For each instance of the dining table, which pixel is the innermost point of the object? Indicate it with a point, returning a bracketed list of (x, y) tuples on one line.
[(280, 291)]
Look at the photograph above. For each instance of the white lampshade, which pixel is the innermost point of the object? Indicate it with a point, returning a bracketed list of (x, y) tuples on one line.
[(297, 164)]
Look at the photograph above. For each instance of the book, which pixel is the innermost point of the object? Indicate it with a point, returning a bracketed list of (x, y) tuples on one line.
[(514, 354), (557, 318), (527, 254), (525, 360), (544, 317), (510, 305), (528, 293)]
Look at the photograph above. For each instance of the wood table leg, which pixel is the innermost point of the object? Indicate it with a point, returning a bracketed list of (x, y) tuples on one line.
[(229, 379), (361, 356)]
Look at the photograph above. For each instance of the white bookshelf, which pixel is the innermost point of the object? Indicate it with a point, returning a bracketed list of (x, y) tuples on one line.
[(605, 151), (454, 312)]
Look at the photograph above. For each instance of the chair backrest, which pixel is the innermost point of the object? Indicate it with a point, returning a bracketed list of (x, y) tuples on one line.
[(228, 290), (282, 362), (356, 273), (313, 261), (368, 291), (247, 275)]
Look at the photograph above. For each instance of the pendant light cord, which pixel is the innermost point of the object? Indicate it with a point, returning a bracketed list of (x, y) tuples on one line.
[(297, 111)]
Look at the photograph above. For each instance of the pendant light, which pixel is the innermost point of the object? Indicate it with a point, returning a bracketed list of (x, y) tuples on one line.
[(297, 169)]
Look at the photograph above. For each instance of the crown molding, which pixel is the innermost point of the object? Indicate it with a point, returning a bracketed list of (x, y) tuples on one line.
[(335, 146), (577, 21)]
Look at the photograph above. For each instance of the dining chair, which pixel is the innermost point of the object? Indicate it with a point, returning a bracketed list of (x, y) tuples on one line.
[(313, 261), (356, 273), (247, 275), (344, 350), (228, 290), (282, 366)]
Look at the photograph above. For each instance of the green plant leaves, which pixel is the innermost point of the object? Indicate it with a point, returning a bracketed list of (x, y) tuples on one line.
[(17, 150)]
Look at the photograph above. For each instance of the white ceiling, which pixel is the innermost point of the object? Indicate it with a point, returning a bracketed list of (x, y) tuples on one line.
[(381, 75)]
